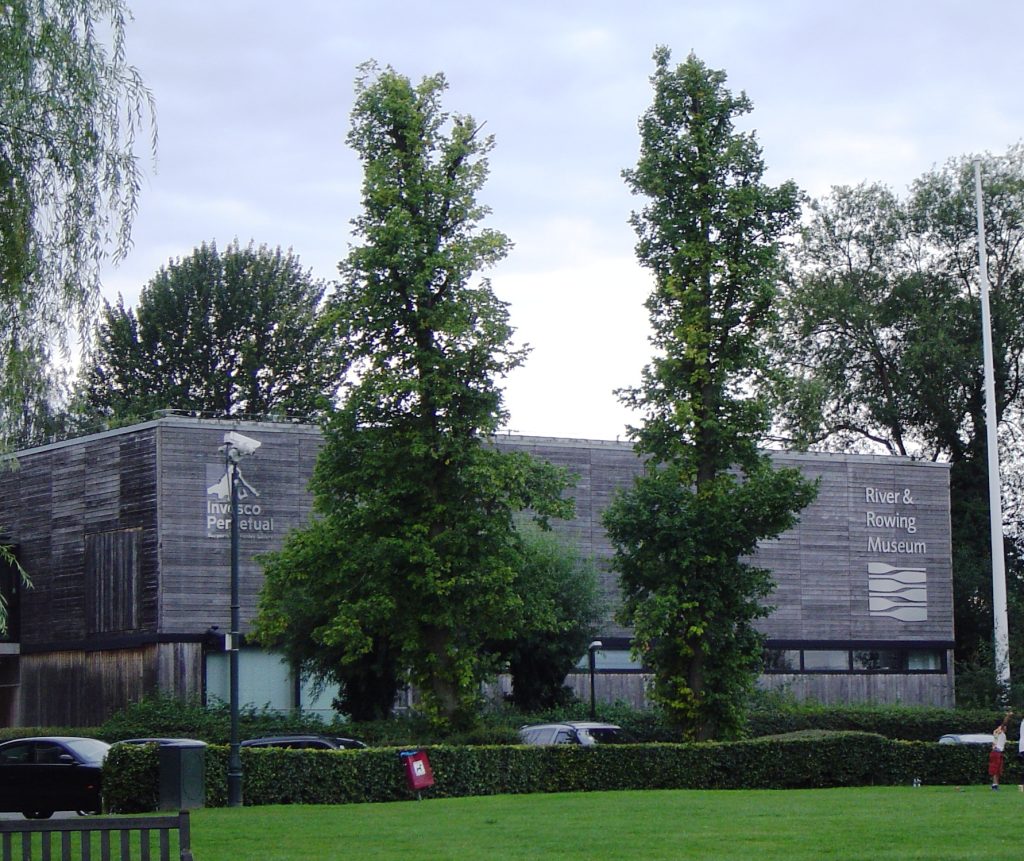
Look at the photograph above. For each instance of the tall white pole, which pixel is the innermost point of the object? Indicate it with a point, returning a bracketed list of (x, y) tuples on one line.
[(999, 613)]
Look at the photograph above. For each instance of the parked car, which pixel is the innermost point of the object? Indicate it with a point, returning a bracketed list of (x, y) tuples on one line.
[(305, 742), (163, 742), (44, 774), (984, 738), (586, 733)]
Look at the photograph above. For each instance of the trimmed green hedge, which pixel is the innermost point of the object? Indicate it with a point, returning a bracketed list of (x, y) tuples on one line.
[(912, 723), (803, 760)]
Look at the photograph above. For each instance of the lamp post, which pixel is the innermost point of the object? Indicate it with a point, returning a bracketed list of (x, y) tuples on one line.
[(235, 447), (591, 653), (1000, 622)]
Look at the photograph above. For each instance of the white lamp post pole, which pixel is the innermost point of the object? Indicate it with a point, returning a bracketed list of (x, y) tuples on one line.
[(999, 611)]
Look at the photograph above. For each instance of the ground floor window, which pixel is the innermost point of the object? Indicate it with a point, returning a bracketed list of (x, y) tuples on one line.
[(265, 681), (855, 658)]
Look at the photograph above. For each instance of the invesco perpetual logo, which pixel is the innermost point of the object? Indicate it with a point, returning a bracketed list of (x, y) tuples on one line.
[(254, 518)]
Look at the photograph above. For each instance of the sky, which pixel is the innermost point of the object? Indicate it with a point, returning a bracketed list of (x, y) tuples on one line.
[(253, 102)]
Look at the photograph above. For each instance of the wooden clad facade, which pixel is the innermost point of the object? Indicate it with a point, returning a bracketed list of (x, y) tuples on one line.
[(125, 535)]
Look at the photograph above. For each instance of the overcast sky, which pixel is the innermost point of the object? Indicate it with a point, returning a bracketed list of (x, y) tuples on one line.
[(253, 103)]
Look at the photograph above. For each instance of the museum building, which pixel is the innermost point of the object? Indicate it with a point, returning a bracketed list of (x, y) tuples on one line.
[(125, 535)]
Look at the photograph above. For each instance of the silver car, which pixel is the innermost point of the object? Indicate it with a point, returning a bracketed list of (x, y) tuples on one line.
[(586, 733)]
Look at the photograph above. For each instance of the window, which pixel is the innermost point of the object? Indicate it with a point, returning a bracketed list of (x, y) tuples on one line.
[(878, 659), (782, 661), (16, 754), (826, 659), (924, 660), (866, 658), (10, 581)]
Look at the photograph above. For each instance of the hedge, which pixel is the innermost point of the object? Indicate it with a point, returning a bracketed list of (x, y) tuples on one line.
[(803, 760), (911, 723)]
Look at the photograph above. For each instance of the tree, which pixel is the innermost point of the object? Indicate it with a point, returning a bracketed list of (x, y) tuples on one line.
[(232, 333), (407, 482), (297, 613), (70, 110), (70, 107), (710, 233), (883, 340), (561, 606)]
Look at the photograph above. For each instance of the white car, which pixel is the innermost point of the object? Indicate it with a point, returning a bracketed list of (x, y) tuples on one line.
[(984, 738)]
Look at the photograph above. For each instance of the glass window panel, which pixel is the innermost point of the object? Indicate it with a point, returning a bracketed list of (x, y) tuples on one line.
[(924, 659), (609, 659), (827, 659), (877, 659), (782, 660)]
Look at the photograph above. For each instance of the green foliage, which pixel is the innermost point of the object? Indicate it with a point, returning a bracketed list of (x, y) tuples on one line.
[(296, 609), (131, 779), (166, 716), (710, 232), (411, 565), (70, 110), (561, 606), (882, 341), (894, 722), (810, 759), (232, 333)]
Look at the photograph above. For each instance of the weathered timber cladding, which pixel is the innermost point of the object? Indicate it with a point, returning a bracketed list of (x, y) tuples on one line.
[(820, 567), (112, 581), (126, 537), (59, 495), (195, 556), (82, 688), (927, 689)]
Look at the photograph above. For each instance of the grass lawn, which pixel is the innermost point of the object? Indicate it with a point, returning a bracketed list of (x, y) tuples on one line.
[(934, 823)]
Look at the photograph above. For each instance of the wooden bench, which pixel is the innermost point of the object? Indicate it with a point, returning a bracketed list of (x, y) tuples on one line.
[(115, 843)]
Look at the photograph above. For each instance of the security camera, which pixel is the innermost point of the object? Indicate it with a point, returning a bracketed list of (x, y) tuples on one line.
[(241, 444)]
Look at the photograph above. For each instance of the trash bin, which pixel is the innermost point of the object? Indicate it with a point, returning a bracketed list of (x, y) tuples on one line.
[(418, 773), (182, 775)]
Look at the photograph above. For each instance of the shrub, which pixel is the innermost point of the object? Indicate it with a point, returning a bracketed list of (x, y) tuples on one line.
[(796, 761), (131, 778), (898, 722), (161, 715)]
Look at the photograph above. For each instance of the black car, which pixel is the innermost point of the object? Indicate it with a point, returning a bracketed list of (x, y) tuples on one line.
[(41, 775), (305, 742)]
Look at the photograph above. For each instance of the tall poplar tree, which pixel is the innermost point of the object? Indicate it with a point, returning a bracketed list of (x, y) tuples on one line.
[(710, 233), (419, 550)]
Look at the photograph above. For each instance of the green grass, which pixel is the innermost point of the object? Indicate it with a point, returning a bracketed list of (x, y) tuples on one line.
[(933, 823)]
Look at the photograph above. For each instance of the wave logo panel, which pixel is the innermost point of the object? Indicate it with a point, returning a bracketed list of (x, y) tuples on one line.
[(897, 592)]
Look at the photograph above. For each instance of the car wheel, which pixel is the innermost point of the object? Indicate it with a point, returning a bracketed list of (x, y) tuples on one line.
[(37, 814)]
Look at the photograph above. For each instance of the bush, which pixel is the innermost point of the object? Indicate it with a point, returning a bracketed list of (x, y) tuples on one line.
[(898, 722), (159, 715), (131, 779), (809, 759)]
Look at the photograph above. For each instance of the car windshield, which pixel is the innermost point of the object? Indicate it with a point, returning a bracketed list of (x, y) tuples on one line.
[(88, 749)]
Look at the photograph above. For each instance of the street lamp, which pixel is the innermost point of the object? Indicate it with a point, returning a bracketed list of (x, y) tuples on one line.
[(235, 447), (591, 652)]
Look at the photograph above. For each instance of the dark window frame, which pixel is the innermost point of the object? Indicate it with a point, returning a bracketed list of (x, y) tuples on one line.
[(903, 650)]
